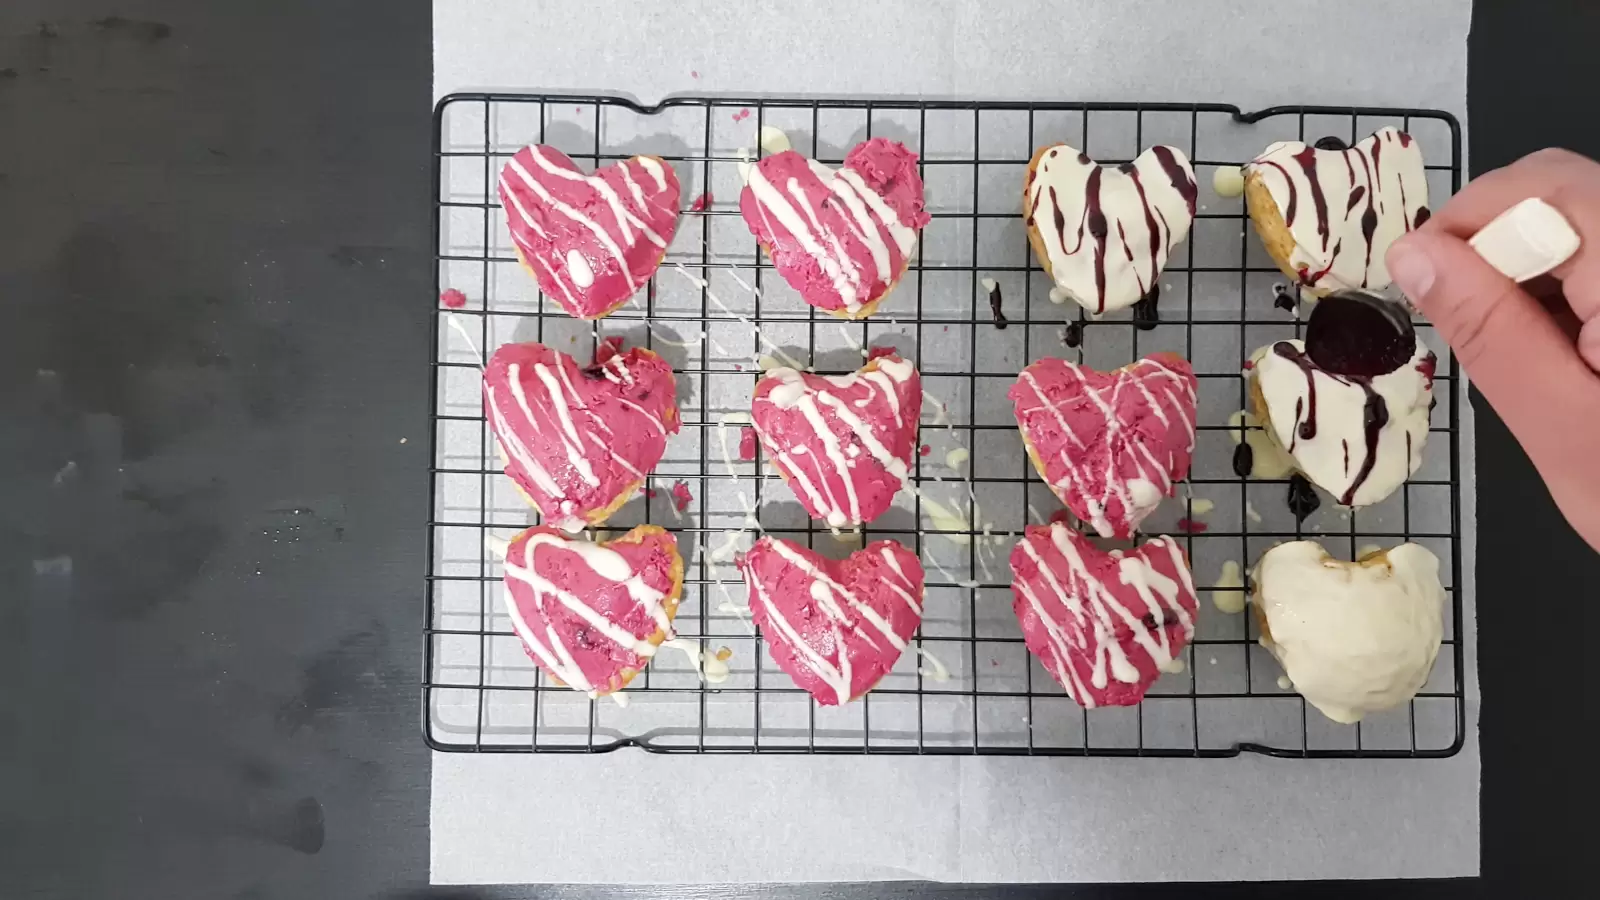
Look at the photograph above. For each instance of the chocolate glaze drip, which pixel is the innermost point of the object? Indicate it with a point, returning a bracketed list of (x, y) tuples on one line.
[(1150, 224), (1185, 186), (1375, 414), (1095, 218), (1282, 299), (1303, 499), (1145, 314), (1061, 220), (994, 307), (1308, 428), (1244, 459), (1072, 334), (1307, 159), (1422, 217), (1293, 206)]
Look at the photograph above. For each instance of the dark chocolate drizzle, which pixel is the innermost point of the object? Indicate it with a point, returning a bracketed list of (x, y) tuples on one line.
[(1282, 298), (1095, 221), (1307, 159), (1303, 499), (1000, 321), (1308, 427), (1375, 415), (1146, 315), (1331, 143), (1072, 334), (1244, 457)]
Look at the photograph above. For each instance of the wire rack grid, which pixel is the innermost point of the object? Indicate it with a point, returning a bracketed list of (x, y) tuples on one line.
[(977, 691)]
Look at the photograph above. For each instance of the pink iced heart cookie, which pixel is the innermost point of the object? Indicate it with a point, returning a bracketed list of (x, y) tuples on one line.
[(592, 615), (843, 443), (590, 240), (841, 238), (1104, 623), (1109, 444), (835, 627), (579, 441)]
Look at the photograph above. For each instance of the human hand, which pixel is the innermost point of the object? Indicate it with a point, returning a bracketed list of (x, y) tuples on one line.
[(1533, 350)]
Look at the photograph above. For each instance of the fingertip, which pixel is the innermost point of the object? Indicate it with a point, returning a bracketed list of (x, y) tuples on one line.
[(1412, 265), (1589, 344)]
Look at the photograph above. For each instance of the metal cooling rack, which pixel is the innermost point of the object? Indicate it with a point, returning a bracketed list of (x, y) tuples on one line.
[(481, 693)]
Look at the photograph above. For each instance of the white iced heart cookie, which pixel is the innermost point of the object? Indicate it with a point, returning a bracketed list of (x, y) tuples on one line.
[(1327, 216), (1354, 637), (1357, 437), (1104, 233)]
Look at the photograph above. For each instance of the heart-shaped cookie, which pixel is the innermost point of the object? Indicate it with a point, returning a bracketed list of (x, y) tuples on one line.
[(844, 443), (1354, 637), (1104, 233), (579, 441), (590, 240), (1328, 213), (841, 238), (1358, 437), (835, 627), (1109, 444), (1103, 623), (592, 615)]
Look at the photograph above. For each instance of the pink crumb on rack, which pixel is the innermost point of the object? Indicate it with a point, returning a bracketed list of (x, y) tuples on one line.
[(1192, 526), (694, 73), (453, 299), (607, 348), (650, 493), (880, 352), (701, 203), (747, 443), (741, 115), (681, 498), (924, 450)]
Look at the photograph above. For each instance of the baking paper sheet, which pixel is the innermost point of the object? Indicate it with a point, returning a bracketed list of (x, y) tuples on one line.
[(548, 818)]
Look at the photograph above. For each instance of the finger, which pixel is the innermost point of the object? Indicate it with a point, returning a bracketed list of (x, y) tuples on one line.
[(1517, 355)]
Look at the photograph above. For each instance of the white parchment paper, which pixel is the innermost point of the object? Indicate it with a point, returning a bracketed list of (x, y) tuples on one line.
[(520, 818)]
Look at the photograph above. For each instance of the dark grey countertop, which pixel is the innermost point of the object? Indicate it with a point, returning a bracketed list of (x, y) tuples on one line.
[(214, 245)]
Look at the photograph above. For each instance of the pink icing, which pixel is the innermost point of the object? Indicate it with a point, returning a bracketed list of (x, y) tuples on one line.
[(590, 240), (598, 657), (872, 416), (824, 634), (453, 299), (681, 498), (839, 243), (578, 438), (1103, 623), (1112, 444)]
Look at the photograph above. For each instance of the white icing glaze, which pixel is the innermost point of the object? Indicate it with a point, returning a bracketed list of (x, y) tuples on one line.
[(1107, 230), (936, 670), (1228, 181), (1321, 419), (957, 458), (1354, 638), (773, 139), (1228, 597), (1344, 208), (579, 269)]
